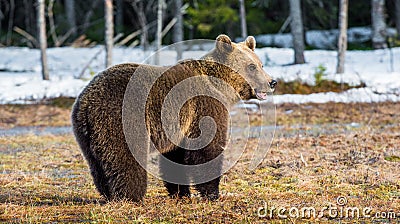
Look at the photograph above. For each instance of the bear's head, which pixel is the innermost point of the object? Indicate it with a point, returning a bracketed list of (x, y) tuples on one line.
[(241, 58)]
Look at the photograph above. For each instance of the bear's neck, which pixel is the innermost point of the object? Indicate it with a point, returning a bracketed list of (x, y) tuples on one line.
[(192, 78), (220, 77)]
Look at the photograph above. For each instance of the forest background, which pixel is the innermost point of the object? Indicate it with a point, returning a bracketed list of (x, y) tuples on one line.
[(82, 23)]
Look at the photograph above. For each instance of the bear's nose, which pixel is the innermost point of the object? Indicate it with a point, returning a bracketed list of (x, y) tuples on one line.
[(273, 84)]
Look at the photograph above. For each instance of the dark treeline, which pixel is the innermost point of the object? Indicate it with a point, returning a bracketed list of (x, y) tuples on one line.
[(70, 21)]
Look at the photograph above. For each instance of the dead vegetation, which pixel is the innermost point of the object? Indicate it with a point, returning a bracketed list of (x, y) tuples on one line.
[(297, 87), (45, 179)]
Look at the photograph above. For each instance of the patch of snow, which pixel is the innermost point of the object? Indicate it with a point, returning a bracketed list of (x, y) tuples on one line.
[(20, 77), (370, 67), (360, 95)]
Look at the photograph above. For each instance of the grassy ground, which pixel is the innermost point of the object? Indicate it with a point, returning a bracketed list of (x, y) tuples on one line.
[(320, 152)]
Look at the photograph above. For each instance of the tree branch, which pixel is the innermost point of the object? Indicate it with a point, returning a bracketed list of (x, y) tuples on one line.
[(51, 23), (25, 34)]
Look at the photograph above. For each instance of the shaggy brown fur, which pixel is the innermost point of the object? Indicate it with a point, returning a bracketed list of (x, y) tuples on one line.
[(97, 118)]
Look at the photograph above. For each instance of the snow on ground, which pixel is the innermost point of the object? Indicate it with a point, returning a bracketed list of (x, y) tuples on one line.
[(373, 68), (20, 77)]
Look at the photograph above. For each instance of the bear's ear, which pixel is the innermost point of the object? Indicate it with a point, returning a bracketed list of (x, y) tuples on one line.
[(224, 43), (251, 42)]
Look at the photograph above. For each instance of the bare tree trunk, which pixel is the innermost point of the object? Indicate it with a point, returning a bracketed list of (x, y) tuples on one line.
[(10, 22), (342, 41), (296, 26), (70, 11), (109, 34), (243, 18), (140, 12), (378, 24), (42, 38), (52, 23), (397, 3), (178, 28), (119, 15), (159, 30)]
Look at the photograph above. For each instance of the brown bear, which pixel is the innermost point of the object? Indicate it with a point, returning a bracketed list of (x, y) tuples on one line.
[(98, 124)]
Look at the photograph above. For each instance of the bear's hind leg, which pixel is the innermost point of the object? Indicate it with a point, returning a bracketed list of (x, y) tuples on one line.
[(174, 190), (127, 180), (99, 178)]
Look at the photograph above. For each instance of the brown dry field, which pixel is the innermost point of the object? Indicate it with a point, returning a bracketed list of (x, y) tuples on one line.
[(320, 152)]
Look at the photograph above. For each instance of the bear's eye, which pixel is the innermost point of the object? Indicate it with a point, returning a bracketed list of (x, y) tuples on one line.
[(252, 67)]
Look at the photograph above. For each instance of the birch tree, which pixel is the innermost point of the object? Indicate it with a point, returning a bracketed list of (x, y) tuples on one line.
[(70, 12), (342, 40), (378, 24), (243, 23), (296, 27), (178, 28), (41, 23), (109, 31), (159, 30)]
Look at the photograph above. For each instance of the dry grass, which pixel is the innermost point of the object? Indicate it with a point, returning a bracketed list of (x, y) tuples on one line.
[(287, 114), (33, 115), (45, 179)]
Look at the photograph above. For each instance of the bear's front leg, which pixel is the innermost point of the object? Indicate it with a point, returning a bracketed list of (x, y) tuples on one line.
[(209, 189), (175, 190)]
